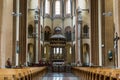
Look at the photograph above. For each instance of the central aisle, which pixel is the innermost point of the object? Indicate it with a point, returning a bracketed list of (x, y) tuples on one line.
[(60, 76)]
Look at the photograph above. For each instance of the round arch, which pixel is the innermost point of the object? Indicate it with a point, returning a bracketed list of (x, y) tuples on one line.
[(68, 33), (57, 30), (47, 33), (30, 30), (30, 57), (86, 54), (86, 31)]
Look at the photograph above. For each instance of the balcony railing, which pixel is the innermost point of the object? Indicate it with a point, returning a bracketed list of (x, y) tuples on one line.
[(85, 35)]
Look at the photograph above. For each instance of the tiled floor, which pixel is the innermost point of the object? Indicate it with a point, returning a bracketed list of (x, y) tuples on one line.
[(60, 76)]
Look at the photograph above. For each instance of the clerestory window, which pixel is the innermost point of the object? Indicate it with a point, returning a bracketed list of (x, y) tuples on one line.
[(57, 7), (47, 7), (68, 7)]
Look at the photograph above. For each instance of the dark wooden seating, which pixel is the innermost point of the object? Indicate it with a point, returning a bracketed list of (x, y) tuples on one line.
[(22, 74), (96, 73)]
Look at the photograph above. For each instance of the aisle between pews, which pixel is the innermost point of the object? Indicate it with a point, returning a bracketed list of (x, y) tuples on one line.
[(60, 76)]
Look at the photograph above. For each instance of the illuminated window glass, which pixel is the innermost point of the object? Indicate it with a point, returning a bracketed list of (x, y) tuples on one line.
[(57, 50), (60, 50), (70, 50), (57, 7), (68, 7), (45, 50), (47, 7)]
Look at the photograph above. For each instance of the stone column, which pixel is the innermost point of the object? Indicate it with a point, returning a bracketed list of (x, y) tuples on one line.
[(1, 11), (100, 32), (22, 32), (117, 25), (76, 35), (108, 31), (63, 6), (94, 32), (39, 32), (6, 31), (17, 32), (119, 33), (36, 17), (79, 36)]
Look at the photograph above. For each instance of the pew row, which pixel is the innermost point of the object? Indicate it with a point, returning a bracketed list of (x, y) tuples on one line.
[(89, 73), (32, 73)]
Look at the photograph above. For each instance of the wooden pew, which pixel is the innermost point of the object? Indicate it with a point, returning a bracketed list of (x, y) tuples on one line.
[(97, 73), (22, 74), (11, 74), (37, 72)]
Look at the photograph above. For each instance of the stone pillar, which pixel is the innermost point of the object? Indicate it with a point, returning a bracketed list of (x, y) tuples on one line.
[(107, 31), (79, 37), (100, 32), (117, 24), (103, 31), (22, 32), (94, 32), (76, 35), (119, 33), (17, 32), (36, 17), (36, 43), (39, 32), (1, 11), (6, 31)]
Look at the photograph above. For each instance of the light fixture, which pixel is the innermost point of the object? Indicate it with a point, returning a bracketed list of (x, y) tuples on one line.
[(107, 13), (36, 16), (79, 11), (102, 45), (85, 10), (35, 34), (16, 14)]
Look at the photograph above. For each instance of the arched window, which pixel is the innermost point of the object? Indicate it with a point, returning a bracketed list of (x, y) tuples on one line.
[(30, 30), (30, 47), (74, 32), (85, 31), (42, 33), (47, 7), (60, 50), (70, 50), (57, 30), (68, 33), (68, 7), (47, 33), (85, 55), (30, 57), (45, 50), (57, 7)]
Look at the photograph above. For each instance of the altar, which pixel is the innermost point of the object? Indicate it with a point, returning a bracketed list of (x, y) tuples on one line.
[(60, 66), (58, 53)]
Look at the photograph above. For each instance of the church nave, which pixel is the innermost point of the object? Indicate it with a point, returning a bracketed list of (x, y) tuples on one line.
[(60, 76), (59, 39)]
